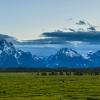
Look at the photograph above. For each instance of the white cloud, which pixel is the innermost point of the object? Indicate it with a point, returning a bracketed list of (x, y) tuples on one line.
[(76, 43), (23, 36)]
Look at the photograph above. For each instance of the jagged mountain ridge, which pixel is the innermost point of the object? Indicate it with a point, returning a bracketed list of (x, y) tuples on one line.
[(65, 57), (12, 57)]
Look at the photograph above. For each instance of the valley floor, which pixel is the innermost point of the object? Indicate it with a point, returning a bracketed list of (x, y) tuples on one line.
[(27, 86)]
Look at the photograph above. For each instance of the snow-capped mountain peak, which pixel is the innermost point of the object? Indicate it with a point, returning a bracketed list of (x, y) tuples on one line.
[(7, 47), (68, 52)]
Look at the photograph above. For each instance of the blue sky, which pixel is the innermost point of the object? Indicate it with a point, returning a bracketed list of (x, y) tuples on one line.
[(26, 19)]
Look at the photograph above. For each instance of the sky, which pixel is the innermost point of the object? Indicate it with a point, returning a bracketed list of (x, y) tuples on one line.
[(27, 19)]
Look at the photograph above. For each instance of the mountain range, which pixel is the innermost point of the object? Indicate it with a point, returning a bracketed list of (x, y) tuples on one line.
[(10, 56)]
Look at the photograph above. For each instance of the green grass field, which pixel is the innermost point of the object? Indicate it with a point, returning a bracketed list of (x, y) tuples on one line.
[(26, 86)]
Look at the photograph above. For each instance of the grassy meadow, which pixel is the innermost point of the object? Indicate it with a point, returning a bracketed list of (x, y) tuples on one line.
[(28, 86)]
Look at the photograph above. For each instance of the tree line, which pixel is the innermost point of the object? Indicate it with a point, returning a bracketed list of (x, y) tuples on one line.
[(58, 71)]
